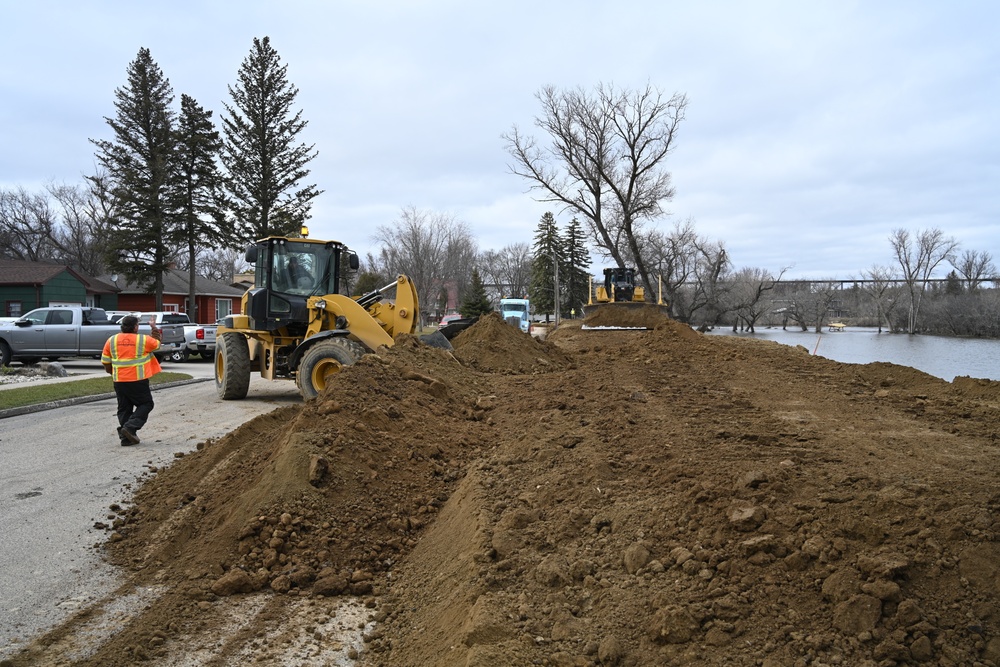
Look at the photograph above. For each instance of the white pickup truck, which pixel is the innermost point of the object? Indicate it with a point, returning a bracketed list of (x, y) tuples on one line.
[(198, 338), (66, 331)]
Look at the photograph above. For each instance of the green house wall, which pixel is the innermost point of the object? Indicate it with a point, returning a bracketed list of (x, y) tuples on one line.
[(63, 288)]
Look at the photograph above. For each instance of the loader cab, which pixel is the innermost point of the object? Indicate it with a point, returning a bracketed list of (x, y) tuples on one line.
[(287, 272)]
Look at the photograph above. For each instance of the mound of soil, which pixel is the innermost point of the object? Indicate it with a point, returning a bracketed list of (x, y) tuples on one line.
[(494, 346), (643, 316), (653, 498)]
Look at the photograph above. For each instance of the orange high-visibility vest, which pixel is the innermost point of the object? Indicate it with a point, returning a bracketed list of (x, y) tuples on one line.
[(131, 357)]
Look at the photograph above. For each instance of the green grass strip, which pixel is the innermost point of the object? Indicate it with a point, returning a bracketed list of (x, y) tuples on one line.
[(45, 392)]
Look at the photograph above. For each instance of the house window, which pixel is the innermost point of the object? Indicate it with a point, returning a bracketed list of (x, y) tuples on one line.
[(223, 308), (13, 309), (170, 307)]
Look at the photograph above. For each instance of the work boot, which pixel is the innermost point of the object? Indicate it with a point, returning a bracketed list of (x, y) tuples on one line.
[(128, 435)]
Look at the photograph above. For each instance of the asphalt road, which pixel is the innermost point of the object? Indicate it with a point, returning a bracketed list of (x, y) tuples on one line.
[(60, 470)]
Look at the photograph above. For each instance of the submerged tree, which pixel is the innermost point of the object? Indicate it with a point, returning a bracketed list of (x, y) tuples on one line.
[(265, 166), (918, 258), (140, 164)]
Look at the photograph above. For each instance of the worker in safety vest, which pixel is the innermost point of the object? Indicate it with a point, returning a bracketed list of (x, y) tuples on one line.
[(128, 357)]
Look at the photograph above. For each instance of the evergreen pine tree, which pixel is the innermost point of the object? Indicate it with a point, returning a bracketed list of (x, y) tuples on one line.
[(476, 302), (575, 280), (140, 164), (264, 166), (548, 249), (198, 146)]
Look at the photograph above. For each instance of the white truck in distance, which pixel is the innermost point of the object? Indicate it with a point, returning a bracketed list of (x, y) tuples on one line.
[(516, 312)]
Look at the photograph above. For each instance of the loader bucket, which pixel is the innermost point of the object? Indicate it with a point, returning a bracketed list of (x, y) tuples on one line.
[(456, 327), (435, 339)]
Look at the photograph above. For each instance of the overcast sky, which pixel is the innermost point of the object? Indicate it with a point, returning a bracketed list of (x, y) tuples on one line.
[(813, 129)]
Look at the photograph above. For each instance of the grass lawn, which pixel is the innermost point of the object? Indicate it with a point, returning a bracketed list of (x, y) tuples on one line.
[(46, 392)]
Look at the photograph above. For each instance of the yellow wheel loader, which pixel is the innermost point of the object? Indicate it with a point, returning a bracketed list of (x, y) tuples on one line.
[(295, 323)]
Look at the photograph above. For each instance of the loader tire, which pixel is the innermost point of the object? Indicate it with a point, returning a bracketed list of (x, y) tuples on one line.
[(232, 367), (324, 360)]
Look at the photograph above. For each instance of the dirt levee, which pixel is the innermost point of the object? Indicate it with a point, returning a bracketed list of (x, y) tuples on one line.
[(639, 315), (629, 498)]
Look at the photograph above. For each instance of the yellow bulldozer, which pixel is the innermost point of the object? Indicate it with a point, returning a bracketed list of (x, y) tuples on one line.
[(295, 323), (621, 304)]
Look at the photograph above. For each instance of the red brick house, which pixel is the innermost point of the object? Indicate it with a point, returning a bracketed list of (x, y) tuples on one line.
[(213, 299)]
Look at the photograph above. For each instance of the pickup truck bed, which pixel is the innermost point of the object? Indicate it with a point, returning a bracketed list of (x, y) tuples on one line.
[(195, 338)]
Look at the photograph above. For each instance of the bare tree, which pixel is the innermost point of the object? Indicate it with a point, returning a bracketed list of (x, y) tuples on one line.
[(746, 295), (705, 299), (606, 161), (508, 269), (975, 267), (918, 258), (676, 259), (221, 265), (418, 244), (83, 227), (879, 288), (27, 225)]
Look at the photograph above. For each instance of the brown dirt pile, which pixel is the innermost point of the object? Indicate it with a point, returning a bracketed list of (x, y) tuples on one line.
[(655, 498), (644, 316)]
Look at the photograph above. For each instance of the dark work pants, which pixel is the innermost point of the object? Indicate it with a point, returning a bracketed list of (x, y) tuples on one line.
[(135, 402)]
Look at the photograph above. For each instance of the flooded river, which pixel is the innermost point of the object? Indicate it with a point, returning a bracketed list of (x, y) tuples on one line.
[(940, 356)]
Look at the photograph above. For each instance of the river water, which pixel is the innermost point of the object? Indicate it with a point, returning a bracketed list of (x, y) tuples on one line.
[(941, 356)]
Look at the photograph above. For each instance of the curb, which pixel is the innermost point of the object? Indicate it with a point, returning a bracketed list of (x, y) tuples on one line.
[(39, 407)]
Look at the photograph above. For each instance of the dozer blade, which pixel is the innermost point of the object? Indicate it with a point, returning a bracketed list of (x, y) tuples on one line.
[(624, 315)]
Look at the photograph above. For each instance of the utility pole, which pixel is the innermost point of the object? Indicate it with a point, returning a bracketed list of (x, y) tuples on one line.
[(557, 295)]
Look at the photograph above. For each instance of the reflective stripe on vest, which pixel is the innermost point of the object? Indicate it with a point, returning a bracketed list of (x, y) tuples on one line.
[(139, 363)]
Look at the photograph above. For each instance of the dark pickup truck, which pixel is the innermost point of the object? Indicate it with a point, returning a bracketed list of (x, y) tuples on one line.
[(68, 331)]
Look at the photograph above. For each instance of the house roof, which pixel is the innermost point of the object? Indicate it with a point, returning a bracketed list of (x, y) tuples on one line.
[(23, 272), (175, 281)]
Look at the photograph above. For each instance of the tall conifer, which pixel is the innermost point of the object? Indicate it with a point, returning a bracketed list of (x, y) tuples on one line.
[(575, 280), (264, 165), (199, 184), (141, 169), (548, 249)]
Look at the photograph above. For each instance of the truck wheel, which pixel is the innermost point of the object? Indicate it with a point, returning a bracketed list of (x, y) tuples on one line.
[(4, 354), (232, 367), (178, 355), (324, 360), (207, 355), (29, 361)]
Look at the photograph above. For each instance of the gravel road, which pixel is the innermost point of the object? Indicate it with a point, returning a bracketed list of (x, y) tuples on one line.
[(61, 469)]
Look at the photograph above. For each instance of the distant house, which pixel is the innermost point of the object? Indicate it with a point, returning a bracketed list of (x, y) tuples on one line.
[(213, 299), (27, 285)]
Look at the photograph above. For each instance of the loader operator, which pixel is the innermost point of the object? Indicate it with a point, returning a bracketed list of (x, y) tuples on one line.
[(128, 357), (299, 276)]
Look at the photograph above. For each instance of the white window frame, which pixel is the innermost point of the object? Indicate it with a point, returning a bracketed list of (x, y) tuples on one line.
[(218, 311)]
